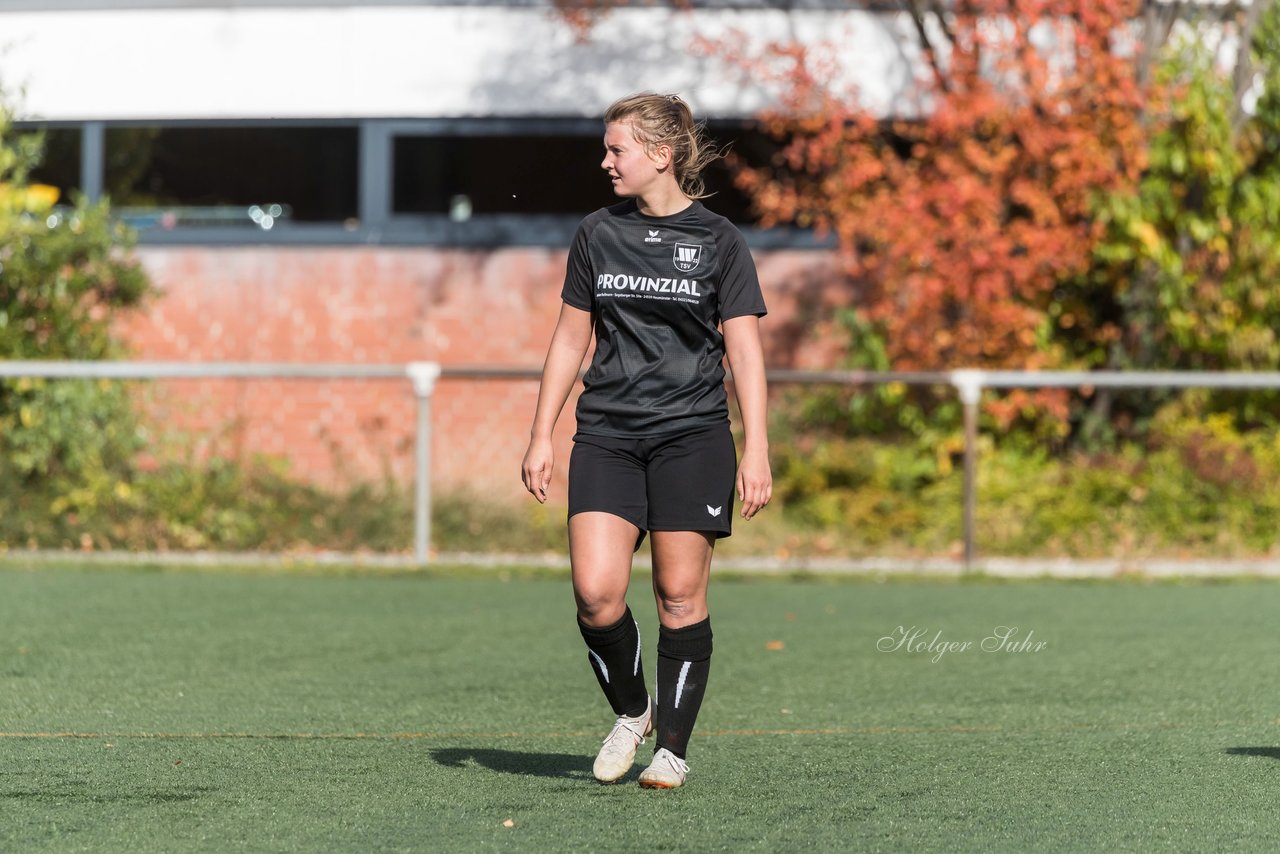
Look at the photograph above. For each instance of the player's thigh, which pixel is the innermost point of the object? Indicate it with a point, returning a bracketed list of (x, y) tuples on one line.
[(607, 508), (601, 546), (681, 573)]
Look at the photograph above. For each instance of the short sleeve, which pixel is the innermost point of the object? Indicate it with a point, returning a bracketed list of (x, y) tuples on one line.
[(577, 290), (739, 288)]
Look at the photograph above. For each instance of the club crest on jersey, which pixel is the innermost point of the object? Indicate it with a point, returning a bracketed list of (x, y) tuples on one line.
[(687, 256)]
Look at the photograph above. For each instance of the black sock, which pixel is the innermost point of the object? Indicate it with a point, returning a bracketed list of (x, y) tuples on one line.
[(614, 653), (684, 661)]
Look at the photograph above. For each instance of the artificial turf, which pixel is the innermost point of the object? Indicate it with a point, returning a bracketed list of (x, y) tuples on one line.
[(230, 711)]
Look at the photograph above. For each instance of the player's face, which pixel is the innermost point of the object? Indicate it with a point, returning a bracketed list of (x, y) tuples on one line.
[(632, 168)]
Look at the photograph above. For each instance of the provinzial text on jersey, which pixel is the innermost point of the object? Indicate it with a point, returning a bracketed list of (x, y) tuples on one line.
[(624, 282)]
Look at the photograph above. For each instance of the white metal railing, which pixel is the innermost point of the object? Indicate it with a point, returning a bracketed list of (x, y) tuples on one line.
[(422, 375), (969, 384)]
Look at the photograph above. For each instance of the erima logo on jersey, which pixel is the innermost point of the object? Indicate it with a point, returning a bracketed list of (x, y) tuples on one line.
[(653, 237), (624, 282), (714, 511), (687, 256)]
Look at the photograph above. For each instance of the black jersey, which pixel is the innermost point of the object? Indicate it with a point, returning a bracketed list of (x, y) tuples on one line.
[(657, 289)]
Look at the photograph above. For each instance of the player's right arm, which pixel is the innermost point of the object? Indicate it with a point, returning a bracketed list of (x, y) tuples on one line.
[(559, 372)]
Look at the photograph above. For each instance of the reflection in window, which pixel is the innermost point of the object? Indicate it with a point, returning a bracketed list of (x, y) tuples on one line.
[(257, 177)]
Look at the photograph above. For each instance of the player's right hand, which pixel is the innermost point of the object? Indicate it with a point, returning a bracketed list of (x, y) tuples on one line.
[(535, 471)]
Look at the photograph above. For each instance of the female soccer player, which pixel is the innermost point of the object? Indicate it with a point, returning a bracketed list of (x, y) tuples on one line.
[(656, 278)]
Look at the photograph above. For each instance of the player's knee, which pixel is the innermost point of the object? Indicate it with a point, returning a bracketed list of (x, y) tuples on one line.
[(599, 606), (683, 608)]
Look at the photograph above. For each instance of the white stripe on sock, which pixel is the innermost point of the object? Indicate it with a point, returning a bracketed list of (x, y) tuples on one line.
[(636, 669), (604, 671), (684, 671)]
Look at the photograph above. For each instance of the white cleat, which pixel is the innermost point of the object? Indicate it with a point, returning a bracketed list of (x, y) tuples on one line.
[(666, 771), (619, 751)]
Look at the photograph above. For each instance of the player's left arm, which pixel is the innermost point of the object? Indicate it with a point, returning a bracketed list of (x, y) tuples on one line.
[(746, 359)]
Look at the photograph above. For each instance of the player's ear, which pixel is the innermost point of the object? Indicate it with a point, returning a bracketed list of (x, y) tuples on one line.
[(661, 155)]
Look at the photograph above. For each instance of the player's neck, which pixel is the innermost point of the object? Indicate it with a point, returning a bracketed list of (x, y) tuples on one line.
[(665, 201)]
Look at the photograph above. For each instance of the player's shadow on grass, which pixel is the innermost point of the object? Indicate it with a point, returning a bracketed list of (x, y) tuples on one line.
[(1270, 752), (571, 766)]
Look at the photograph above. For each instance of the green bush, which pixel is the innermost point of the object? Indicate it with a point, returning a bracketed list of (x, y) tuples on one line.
[(219, 505), (65, 274), (223, 505), (1196, 486)]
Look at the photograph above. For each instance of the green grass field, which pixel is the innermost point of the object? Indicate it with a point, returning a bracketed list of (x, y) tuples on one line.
[(153, 711)]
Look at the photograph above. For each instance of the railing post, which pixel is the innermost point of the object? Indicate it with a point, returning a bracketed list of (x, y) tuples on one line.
[(969, 384), (424, 376)]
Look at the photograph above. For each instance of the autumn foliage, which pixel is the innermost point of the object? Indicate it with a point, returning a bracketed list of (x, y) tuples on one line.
[(1087, 184), (957, 225)]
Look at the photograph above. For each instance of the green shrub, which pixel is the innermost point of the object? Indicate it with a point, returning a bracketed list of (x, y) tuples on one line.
[(65, 274), (1197, 486), (258, 505), (463, 521)]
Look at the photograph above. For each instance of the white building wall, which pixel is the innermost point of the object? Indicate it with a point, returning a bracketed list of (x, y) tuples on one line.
[(436, 61)]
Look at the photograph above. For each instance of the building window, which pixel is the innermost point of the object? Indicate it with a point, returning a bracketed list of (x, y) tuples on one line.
[(256, 177), (745, 142), (465, 176), (60, 164), (437, 181)]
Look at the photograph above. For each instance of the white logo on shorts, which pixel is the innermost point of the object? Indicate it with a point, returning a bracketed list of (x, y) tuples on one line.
[(714, 511)]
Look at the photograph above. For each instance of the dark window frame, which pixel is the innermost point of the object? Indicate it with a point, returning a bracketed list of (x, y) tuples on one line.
[(378, 224)]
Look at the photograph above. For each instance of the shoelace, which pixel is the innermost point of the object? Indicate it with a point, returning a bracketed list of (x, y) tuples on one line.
[(676, 761), (623, 724)]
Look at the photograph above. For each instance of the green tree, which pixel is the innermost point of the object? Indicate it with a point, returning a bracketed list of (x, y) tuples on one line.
[(1190, 261)]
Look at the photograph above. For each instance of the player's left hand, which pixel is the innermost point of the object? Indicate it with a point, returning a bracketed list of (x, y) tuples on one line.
[(755, 483)]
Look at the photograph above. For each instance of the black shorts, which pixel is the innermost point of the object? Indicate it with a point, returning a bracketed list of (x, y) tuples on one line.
[(681, 482)]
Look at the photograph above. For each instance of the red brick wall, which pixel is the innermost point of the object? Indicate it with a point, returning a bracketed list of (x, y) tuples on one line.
[(390, 305)]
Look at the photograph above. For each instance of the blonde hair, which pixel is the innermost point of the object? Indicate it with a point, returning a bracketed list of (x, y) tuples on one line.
[(667, 120)]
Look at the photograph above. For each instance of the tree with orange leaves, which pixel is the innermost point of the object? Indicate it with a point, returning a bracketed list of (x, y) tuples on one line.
[(1013, 218), (956, 227), (1016, 221)]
